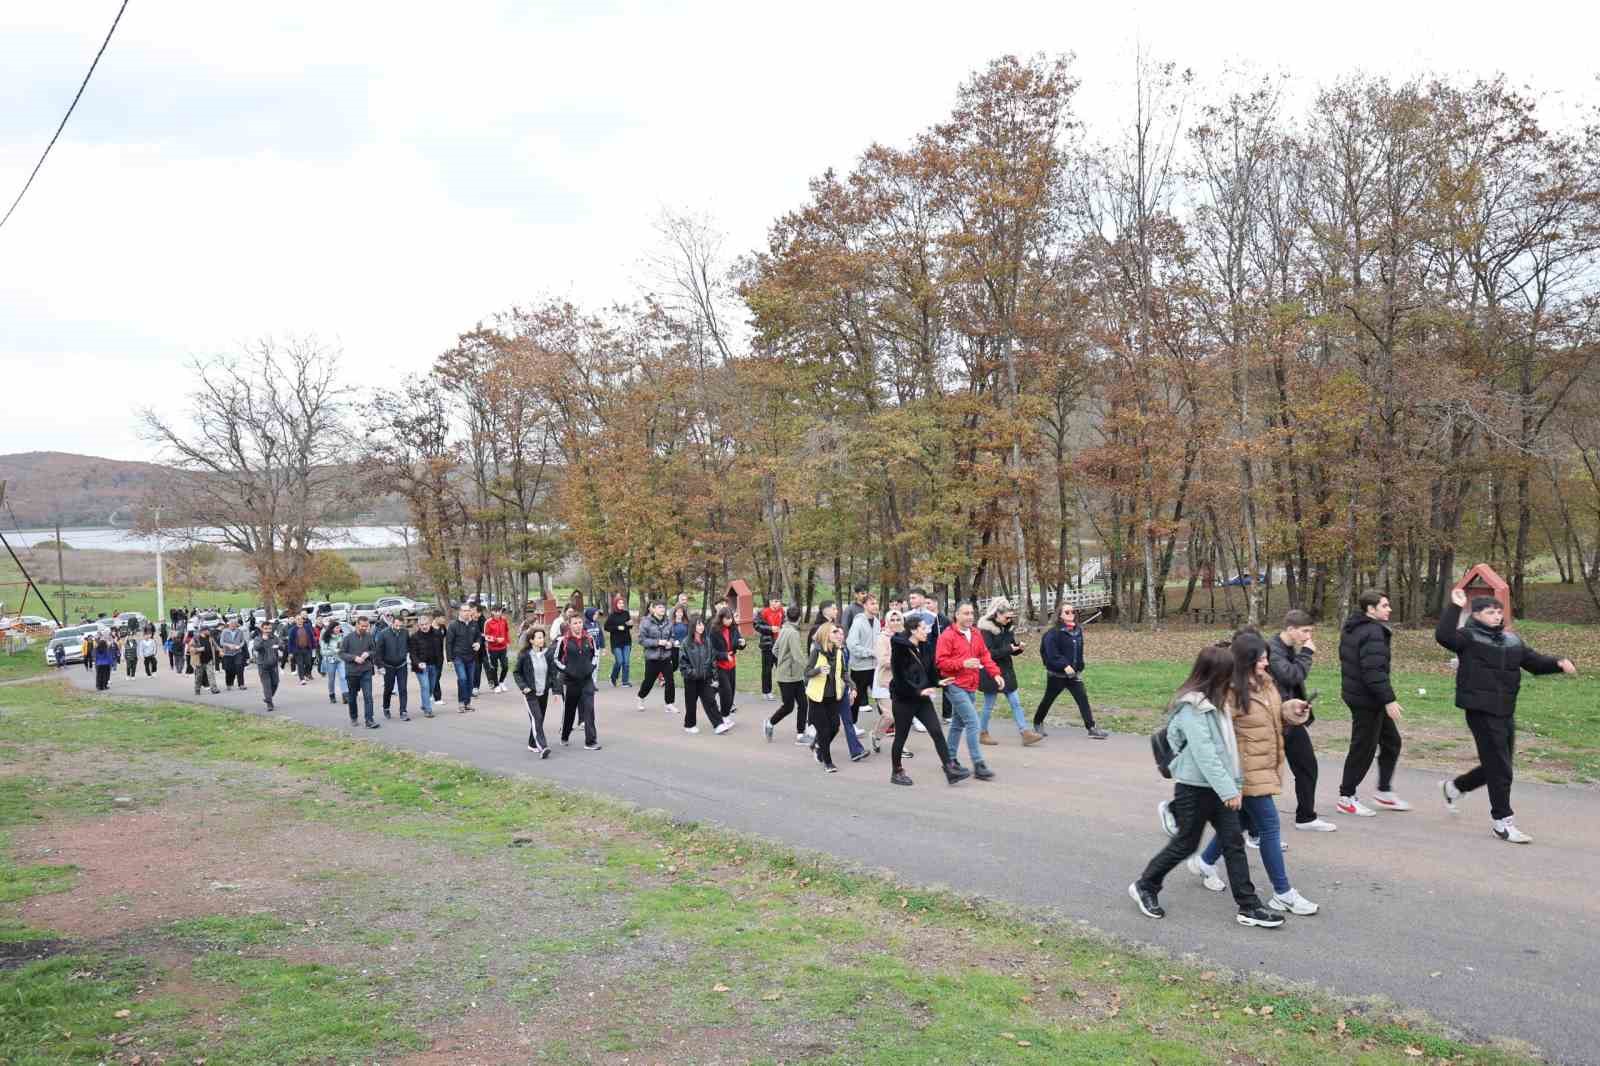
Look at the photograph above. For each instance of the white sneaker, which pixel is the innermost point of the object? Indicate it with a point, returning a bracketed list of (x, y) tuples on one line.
[(723, 728), (1451, 794), (670, 709), (691, 729), (800, 740), (811, 732), (1168, 823), (1388, 801), (641, 706), (860, 732), (1252, 841), (1316, 825), (1293, 902), (918, 726), (1353, 805), (1207, 874), (1506, 829)]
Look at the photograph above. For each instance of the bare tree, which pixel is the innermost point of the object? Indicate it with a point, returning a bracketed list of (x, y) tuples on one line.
[(259, 459)]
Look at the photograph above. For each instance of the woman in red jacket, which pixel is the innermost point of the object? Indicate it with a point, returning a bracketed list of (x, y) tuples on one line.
[(960, 654), (726, 643)]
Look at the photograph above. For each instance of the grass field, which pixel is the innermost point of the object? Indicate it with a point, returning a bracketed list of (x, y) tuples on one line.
[(178, 885)]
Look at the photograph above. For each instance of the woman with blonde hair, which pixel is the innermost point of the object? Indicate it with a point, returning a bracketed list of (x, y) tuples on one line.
[(997, 626)]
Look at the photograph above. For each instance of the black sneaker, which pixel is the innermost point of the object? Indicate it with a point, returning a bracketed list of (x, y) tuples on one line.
[(354, 721), (981, 771), (532, 746), (331, 699), (374, 725), (955, 772), (829, 768), (1151, 907), (1260, 916), (268, 703), (386, 713), (858, 756), (899, 778), (591, 747), (404, 717), (1096, 733)]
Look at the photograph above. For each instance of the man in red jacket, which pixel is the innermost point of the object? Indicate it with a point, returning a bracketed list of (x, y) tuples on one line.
[(496, 639), (769, 620), (959, 655)]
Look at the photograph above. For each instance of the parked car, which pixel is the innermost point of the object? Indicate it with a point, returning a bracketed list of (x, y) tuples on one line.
[(70, 640), (1245, 580), (341, 612), (397, 604), (369, 611)]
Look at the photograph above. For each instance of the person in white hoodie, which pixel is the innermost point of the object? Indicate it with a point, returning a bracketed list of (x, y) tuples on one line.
[(1207, 789)]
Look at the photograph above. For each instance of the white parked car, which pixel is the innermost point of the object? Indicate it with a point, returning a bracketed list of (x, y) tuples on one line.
[(397, 604), (369, 611), (70, 640), (341, 612)]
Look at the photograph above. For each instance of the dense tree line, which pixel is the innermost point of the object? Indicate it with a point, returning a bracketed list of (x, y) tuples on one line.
[(1348, 343)]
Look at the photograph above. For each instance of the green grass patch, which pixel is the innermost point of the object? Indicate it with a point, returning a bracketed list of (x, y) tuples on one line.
[(64, 1009), (230, 931)]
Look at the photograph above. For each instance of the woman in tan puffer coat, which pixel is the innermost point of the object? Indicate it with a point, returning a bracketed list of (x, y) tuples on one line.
[(1259, 717)]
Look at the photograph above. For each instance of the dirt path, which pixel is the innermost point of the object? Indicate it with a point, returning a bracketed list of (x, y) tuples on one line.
[(1426, 909)]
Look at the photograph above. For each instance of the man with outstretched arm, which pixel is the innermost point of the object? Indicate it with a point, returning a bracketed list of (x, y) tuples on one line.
[(1489, 665)]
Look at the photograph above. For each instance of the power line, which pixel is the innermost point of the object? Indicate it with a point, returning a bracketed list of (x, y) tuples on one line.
[(70, 107)]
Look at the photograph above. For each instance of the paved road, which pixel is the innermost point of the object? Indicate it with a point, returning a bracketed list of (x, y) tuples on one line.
[(1427, 909)]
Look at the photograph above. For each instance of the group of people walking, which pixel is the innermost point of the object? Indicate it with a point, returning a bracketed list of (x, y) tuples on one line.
[(1242, 714), (1243, 711)]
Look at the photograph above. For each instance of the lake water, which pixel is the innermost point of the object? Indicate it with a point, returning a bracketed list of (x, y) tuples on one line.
[(121, 540)]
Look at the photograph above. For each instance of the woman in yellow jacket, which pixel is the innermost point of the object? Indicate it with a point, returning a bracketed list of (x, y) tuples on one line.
[(825, 690), (1259, 717)]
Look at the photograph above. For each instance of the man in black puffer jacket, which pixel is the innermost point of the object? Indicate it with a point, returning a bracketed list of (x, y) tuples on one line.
[(1489, 665), (393, 645), (1374, 712)]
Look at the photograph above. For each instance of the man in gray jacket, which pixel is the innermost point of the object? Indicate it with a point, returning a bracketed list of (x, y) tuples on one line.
[(655, 633), (359, 650), (230, 645), (861, 642)]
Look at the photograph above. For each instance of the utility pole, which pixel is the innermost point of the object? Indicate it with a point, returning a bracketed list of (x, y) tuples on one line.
[(161, 597), (61, 572)]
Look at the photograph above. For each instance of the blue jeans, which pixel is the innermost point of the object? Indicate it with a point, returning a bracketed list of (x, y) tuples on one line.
[(619, 664), (963, 718), (1262, 811), (429, 675), (465, 669), (847, 726), (333, 666), (989, 699)]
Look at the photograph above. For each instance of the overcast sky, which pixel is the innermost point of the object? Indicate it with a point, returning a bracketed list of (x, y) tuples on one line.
[(385, 176)]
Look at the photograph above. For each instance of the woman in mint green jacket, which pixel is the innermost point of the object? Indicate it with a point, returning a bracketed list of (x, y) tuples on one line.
[(1207, 784)]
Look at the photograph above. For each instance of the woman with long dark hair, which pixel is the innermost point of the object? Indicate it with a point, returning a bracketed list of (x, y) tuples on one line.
[(726, 643), (1207, 782), (1260, 716), (534, 675), (698, 661), (1062, 651)]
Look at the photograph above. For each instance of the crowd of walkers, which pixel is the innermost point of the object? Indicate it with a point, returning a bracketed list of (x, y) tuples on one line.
[(868, 675)]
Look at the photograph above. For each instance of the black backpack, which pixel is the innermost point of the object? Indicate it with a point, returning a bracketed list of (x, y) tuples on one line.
[(1161, 748)]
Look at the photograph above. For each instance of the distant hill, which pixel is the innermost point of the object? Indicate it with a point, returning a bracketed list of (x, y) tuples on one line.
[(80, 490), (86, 490)]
